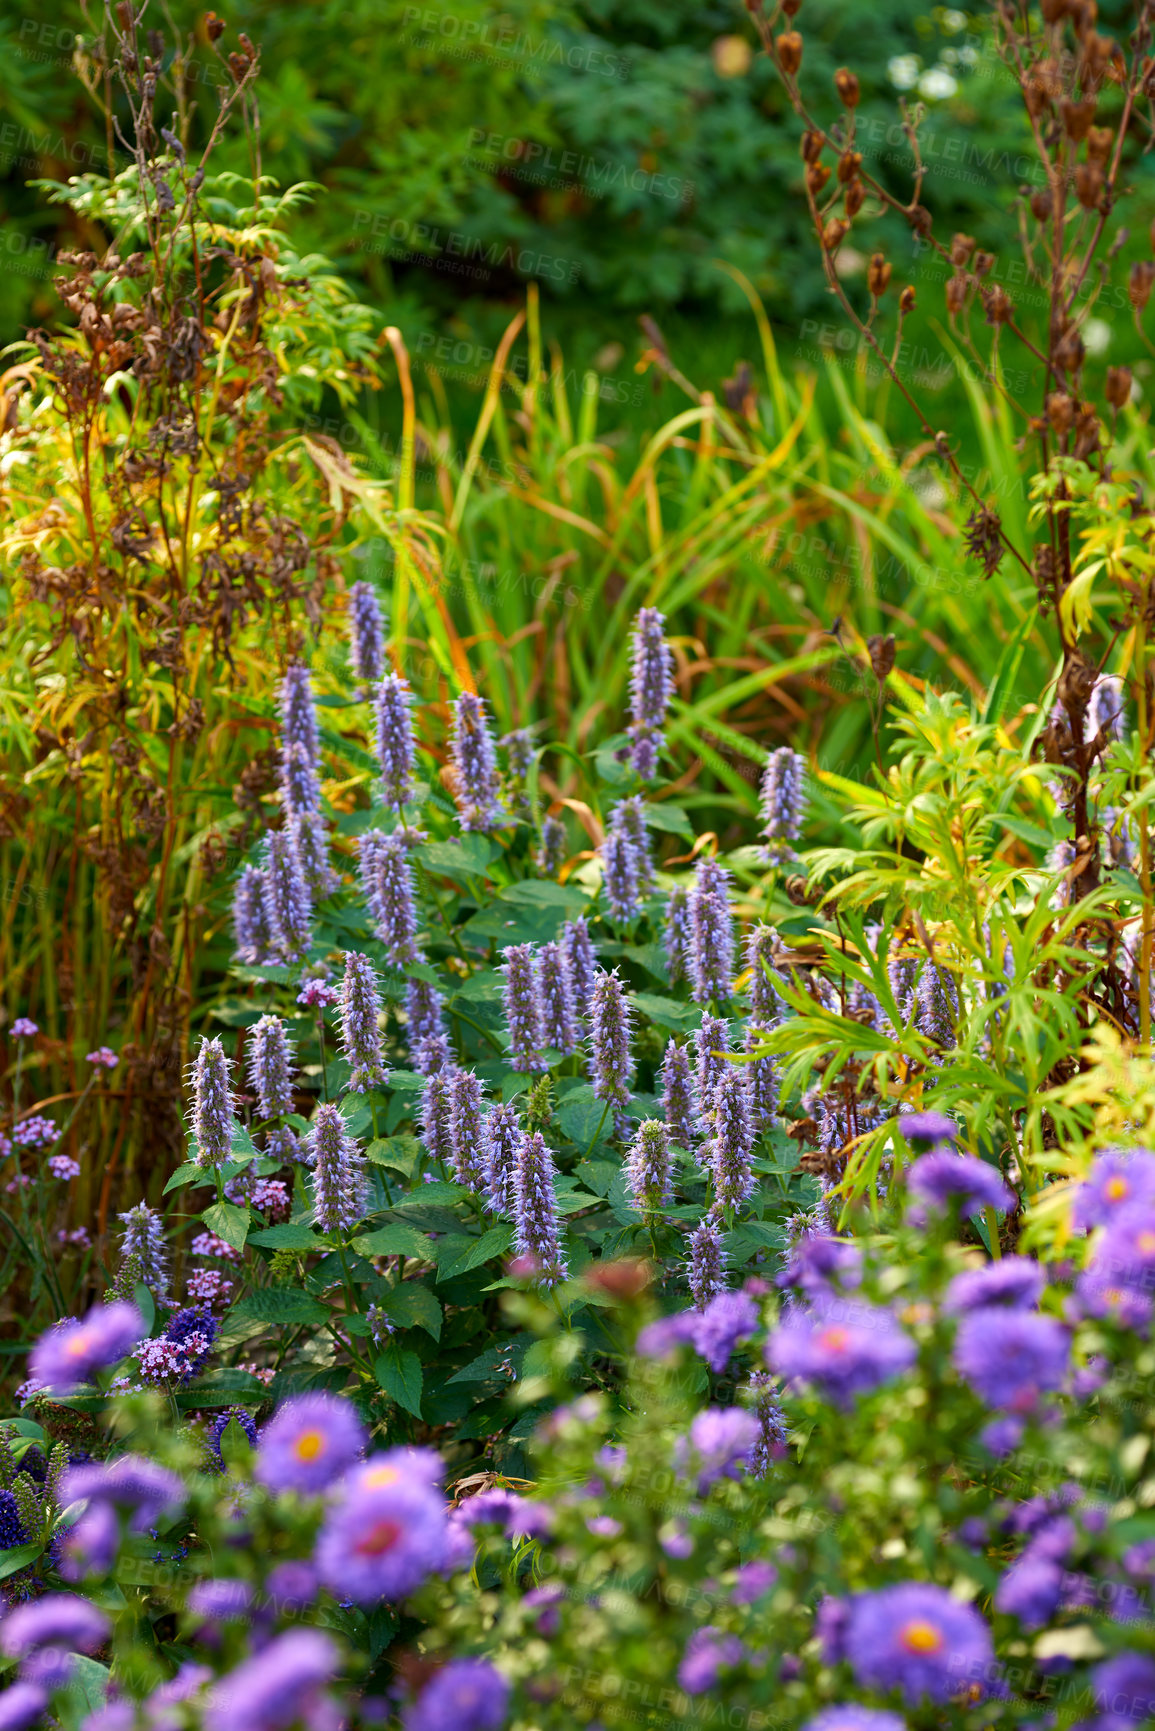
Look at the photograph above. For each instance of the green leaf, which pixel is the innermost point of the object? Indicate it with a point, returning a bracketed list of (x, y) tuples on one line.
[(491, 1244), (668, 1014), (439, 1194), (462, 861), (397, 1152), (228, 1222), (18, 1557), (146, 1304), (398, 1370), (1007, 671), (290, 1235), (188, 1173), (412, 1305), (236, 1450), (271, 1306), (396, 1239), (573, 1201), (579, 1115), (488, 1364), (670, 818)]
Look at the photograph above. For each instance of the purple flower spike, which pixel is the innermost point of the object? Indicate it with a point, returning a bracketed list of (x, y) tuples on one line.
[(396, 749), (762, 1074), (711, 1042), (842, 1347), (254, 936), (558, 1020), (1106, 709), (69, 1354), (271, 1068), (766, 1007), (535, 1210), (651, 687), (522, 1007), (474, 761), (611, 1064), (941, 1178), (937, 1011), (678, 1101), (465, 1695), (648, 1178), (1010, 1357), (366, 634), (308, 1443), (387, 883), (281, 1686), (551, 855), (311, 839), (732, 1140), (711, 933), (503, 1139), (676, 939), (519, 747), (435, 1132), (466, 1139), (620, 876), (783, 804), (707, 1262), (773, 1431), (338, 1173), (428, 1045), (288, 910), (629, 819), (57, 1620), (583, 962), (722, 1441), (360, 1034), (214, 1112), (300, 743), (144, 1239)]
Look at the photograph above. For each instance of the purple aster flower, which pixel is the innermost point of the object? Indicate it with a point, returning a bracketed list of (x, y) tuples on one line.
[(611, 1063), (1031, 1590), (583, 963), (535, 1210), (773, 1432), (1016, 1281), (23, 1028), (72, 1352), (271, 1067), (842, 1347), (57, 1620), (732, 1140), (25, 1704), (309, 1443), (288, 909), (338, 1172), (502, 1139), (144, 1239), (711, 933), (651, 687), (937, 997), (396, 748), (522, 1007), (822, 1265), (728, 1318), (366, 633), (517, 1515), (555, 995), (474, 762), (551, 854), (942, 1178), (1099, 1296), (1002, 1436), (465, 1695), (435, 1131), (708, 1653), (466, 1139), (620, 876), (676, 939), (753, 1581), (387, 1534), (254, 937), (213, 1118), (649, 1182), (1124, 1689), (278, 1688), (519, 747), (129, 1482), (360, 1035), (387, 882), (300, 742), (1010, 1357), (851, 1717), (917, 1639), (1119, 1178), (678, 1102), (292, 1585), (711, 1043), (425, 1023), (783, 804), (1125, 1254), (925, 1130), (707, 1262), (221, 1600), (311, 840)]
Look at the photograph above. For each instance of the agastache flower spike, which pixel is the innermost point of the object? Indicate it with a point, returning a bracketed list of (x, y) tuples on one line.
[(583, 963), (435, 1132), (902, 972), (677, 935), (360, 1034), (711, 933), (1106, 709), (762, 1082), (395, 744), (550, 856), (519, 758), (312, 844), (466, 1138), (270, 1068), (475, 764), (620, 876), (522, 1007), (732, 1140), (366, 633), (503, 1139), (338, 1172), (678, 1101), (288, 909), (558, 1024), (766, 1007), (706, 1263), (651, 687), (250, 921), (937, 1004), (213, 1106), (711, 1038), (144, 1239), (611, 1064), (387, 880), (300, 743), (535, 1210), (629, 819), (428, 1045), (648, 1178), (783, 804)]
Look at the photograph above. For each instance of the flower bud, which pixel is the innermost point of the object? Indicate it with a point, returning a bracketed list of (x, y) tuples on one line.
[(1070, 352), (906, 300), (1042, 204), (849, 164), (834, 233), (846, 85), (1118, 387), (1077, 117), (855, 198), (877, 275), (789, 46), (1060, 412), (1142, 281), (1099, 142), (998, 304)]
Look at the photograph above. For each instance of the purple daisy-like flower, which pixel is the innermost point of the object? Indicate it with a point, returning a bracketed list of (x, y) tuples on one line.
[(308, 1443), (711, 961), (389, 1531), (679, 1105), (338, 1164), (1119, 1178), (822, 1265), (705, 1267), (57, 1620), (1031, 1590), (722, 1440), (213, 1116), (915, 1638), (360, 1034), (278, 1688), (651, 687), (502, 1139), (583, 962), (1015, 1281), (611, 1061), (366, 633), (843, 1348), (522, 1007), (288, 908), (254, 937), (466, 1138), (535, 1210), (941, 1179), (1109, 1300), (556, 998), (474, 759), (270, 1065), (1125, 1255), (729, 1317), (708, 1653), (129, 1482), (465, 1695), (925, 1130), (649, 1181), (732, 1140), (849, 1716), (1010, 1357), (551, 854), (783, 804), (69, 1354), (224, 1600), (396, 748), (1124, 1690)]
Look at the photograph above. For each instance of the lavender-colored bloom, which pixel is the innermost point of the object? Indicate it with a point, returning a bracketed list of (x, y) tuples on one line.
[(24, 1028), (1016, 1281), (732, 1140), (722, 1440), (822, 1265), (360, 1035), (292, 1585), (1060, 860), (465, 1695), (1002, 1436), (917, 1639), (278, 1688), (1119, 1178), (387, 1534), (518, 1516), (937, 1004), (251, 927), (711, 1043), (129, 1482), (466, 1139), (649, 1183), (219, 1425), (611, 1065), (728, 1318), (311, 840), (851, 1717), (221, 1600), (772, 1428), (338, 1172), (766, 1007), (366, 633), (387, 884), (629, 819), (941, 1178), (843, 1348), (708, 1652), (288, 909), (902, 972), (711, 961), (213, 1118), (519, 761), (535, 1210), (182, 1351), (425, 1027), (754, 1580), (318, 994), (678, 1102), (57, 1620), (502, 1144), (474, 763), (1124, 1689), (1031, 1590), (651, 687), (395, 744), (925, 1130), (783, 804), (63, 1166), (1125, 1254), (1010, 1357), (104, 1058), (308, 1443), (300, 743), (25, 1704), (144, 1239), (435, 1131), (71, 1352), (87, 1547), (583, 962), (620, 876), (676, 939), (762, 1082), (550, 856), (271, 1067), (1106, 709), (556, 998), (1098, 1296), (707, 1261), (522, 1007)]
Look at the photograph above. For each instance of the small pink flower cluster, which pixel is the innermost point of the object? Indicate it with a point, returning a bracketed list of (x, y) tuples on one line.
[(63, 1166), (271, 1196), (34, 1133), (164, 1360), (208, 1286), (78, 1237), (104, 1056), (208, 1244)]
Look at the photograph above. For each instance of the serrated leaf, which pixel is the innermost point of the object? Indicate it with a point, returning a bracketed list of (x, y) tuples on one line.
[(439, 1194), (399, 1372), (491, 1244), (573, 1201), (668, 1014), (670, 818), (412, 1305), (271, 1306), (579, 1115), (290, 1235), (397, 1152), (488, 1364), (396, 1239), (187, 1173), (228, 1222)]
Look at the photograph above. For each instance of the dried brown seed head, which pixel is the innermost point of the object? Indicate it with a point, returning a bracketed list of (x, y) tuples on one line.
[(789, 47), (1069, 351), (834, 233), (855, 197), (1088, 184), (811, 145), (1141, 282), (956, 294), (878, 274), (816, 177), (1099, 142), (846, 85), (214, 27), (1077, 117), (1118, 386), (849, 164), (961, 247), (906, 300), (997, 304), (1042, 204), (1060, 412)]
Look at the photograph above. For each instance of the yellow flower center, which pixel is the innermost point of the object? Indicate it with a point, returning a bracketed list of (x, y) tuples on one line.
[(378, 1476), (1146, 1242), (834, 1339), (1116, 1188), (919, 1636), (309, 1445), (78, 1344)]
